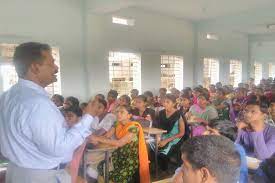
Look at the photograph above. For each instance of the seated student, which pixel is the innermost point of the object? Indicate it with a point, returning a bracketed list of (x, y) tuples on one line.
[(201, 113), (161, 97), (100, 96), (271, 94), (238, 101), (150, 99), (83, 106), (111, 99), (209, 159), (134, 93), (70, 102), (195, 93), (272, 111), (222, 104), (255, 135), (131, 155), (175, 92), (124, 100), (169, 119), (104, 120), (100, 125), (265, 172), (58, 100), (141, 113), (185, 104), (228, 129), (212, 91), (72, 115)]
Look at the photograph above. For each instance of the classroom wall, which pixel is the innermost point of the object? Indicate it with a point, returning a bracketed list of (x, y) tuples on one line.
[(59, 23), (85, 39), (152, 36), (229, 46), (262, 51)]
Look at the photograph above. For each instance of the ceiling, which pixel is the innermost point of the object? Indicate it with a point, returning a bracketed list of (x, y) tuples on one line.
[(245, 16)]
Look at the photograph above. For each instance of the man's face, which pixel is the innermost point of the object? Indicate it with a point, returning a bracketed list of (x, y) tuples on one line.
[(46, 70)]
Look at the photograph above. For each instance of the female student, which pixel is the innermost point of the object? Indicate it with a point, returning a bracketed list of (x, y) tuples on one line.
[(255, 135), (185, 104), (142, 113), (131, 155), (170, 119), (222, 104), (201, 113)]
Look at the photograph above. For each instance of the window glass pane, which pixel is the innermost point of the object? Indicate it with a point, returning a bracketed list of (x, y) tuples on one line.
[(271, 70), (235, 72), (210, 71), (258, 71), (124, 71), (171, 71)]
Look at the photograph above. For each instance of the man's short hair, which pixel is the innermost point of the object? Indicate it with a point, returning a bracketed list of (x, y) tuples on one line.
[(216, 153), (27, 53)]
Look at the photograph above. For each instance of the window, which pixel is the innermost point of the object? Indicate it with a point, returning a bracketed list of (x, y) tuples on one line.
[(124, 72), (258, 71), (123, 21), (210, 71), (171, 71), (6, 51), (271, 68), (9, 74), (235, 72)]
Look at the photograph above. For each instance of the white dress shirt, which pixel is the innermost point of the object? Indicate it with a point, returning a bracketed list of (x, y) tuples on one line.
[(106, 123), (33, 132)]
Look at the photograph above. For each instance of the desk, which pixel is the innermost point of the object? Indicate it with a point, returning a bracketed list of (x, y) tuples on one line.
[(157, 132), (252, 163), (99, 148)]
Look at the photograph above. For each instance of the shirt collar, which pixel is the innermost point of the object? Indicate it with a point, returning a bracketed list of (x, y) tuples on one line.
[(33, 85)]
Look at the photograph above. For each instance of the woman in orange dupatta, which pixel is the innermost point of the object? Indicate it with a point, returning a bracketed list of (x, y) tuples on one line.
[(131, 155)]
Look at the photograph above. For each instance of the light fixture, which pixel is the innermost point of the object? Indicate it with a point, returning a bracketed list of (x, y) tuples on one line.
[(211, 36), (270, 26), (123, 21)]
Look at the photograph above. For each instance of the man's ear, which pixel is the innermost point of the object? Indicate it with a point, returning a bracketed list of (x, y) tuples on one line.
[(205, 174), (34, 68)]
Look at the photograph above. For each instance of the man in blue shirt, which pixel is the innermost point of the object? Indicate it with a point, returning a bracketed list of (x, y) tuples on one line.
[(33, 133)]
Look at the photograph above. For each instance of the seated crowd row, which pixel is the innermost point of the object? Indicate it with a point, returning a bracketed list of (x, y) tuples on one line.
[(244, 115)]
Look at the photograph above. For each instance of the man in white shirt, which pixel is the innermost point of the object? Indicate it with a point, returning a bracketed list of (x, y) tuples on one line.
[(33, 134)]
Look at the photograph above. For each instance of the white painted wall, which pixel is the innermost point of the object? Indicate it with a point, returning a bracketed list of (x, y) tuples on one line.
[(85, 40), (229, 46), (262, 51), (151, 36), (58, 23)]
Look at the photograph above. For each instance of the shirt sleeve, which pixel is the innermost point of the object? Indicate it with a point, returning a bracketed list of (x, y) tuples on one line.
[(108, 121), (49, 133), (263, 149), (212, 114)]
